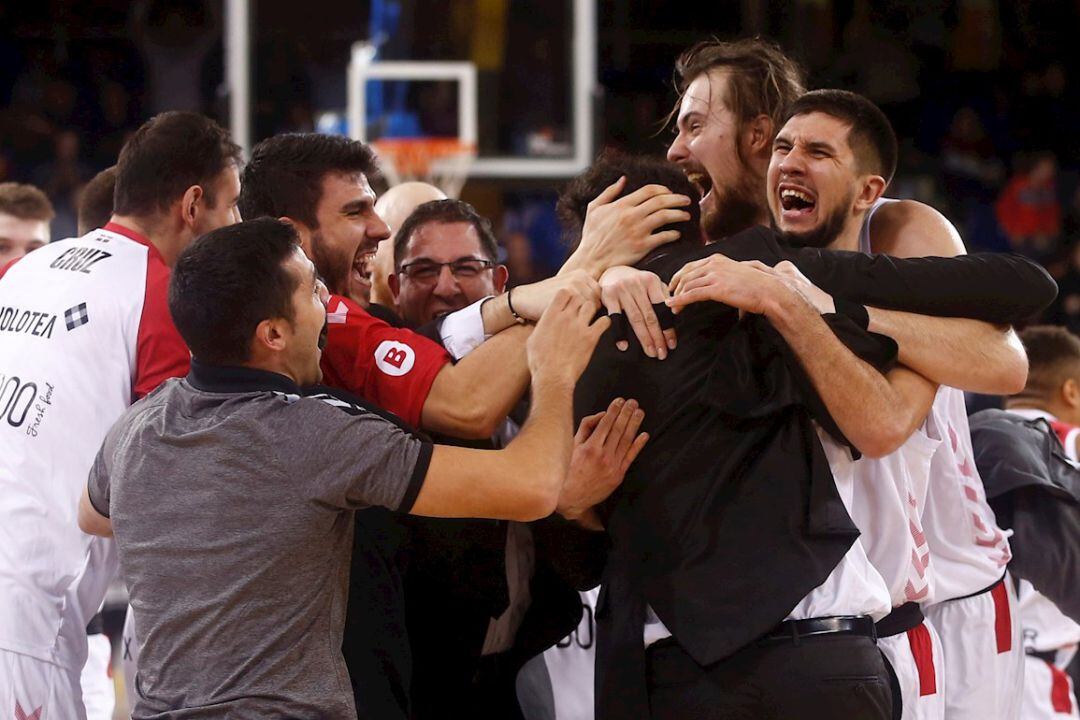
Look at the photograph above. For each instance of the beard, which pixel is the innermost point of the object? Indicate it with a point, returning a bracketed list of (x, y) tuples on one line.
[(824, 234), (333, 267), (734, 209)]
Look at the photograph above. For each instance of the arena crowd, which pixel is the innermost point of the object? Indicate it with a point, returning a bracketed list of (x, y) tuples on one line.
[(346, 467)]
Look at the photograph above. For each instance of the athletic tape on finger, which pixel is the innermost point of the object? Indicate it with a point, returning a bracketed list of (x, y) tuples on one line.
[(664, 316), (618, 326)]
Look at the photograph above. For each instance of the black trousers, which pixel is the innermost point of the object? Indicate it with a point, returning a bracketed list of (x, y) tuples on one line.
[(834, 677)]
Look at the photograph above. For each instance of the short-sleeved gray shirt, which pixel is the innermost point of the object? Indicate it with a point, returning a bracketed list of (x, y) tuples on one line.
[(231, 500)]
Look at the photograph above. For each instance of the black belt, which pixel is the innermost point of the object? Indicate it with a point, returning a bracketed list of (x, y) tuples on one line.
[(1049, 656), (792, 630), (986, 589), (900, 620)]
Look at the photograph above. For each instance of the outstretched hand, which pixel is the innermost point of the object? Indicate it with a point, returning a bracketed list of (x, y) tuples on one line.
[(605, 446), (633, 294), (748, 285)]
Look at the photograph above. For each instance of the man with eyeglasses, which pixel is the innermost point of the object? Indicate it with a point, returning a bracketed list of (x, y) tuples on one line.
[(445, 258), (469, 633)]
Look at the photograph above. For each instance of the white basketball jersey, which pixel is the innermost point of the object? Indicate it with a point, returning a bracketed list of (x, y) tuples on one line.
[(889, 498), (968, 548), (72, 315), (1045, 627)]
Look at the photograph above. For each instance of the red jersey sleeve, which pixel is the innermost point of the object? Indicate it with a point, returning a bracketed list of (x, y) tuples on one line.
[(390, 367), (160, 352)]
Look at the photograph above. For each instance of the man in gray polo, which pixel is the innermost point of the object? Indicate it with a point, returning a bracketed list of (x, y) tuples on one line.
[(231, 492)]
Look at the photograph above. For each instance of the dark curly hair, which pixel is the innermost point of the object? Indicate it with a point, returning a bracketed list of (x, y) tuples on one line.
[(640, 170)]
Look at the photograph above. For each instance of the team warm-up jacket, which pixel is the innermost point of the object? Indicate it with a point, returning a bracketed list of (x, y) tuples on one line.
[(730, 515), (1035, 490)]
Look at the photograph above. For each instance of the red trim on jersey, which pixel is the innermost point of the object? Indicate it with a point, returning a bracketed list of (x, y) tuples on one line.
[(8, 264), (922, 649), (391, 367), (1066, 433), (1061, 429), (130, 234), (1060, 692), (1002, 617), (160, 352)]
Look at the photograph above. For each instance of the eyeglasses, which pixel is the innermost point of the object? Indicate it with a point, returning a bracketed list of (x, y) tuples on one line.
[(427, 271)]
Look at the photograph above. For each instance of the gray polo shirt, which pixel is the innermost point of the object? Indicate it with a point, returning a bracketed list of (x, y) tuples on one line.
[(232, 498)]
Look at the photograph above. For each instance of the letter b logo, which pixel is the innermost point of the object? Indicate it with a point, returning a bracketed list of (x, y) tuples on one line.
[(394, 358)]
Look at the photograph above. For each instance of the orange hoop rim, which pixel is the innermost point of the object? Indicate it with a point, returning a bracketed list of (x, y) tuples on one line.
[(414, 156)]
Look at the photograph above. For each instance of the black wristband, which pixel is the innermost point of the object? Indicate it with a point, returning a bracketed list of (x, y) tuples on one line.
[(517, 318), (854, 311)]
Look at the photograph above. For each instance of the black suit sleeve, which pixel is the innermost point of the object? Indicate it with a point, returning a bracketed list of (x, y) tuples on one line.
[(575, 554), (998, 288)]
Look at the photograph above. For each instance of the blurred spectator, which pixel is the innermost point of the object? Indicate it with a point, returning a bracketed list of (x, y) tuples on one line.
[(1070, 226), (876, 61), (970, 168), (976, 39), (972, 175), (1066, 308), (62, 178), (175, 37), (1049, 112), (117, 122), (1029, 210), (25, 214), (532, 238)]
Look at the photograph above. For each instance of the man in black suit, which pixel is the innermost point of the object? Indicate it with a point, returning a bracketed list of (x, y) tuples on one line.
[(731, 517)]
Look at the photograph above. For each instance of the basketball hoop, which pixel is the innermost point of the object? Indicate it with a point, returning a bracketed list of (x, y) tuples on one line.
[(441, 161)]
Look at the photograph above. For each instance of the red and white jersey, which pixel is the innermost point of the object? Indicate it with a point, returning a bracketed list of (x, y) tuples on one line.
[(391, 367), (855, 587), (84, 331), (889, 498), (968, 549)]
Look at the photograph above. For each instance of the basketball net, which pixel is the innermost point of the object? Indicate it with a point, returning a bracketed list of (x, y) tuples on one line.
[(442, 161)]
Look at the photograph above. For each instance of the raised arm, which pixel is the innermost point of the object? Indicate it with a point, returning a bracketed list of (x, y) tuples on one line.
[(524, 481), (471, 398), (967, 354)]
